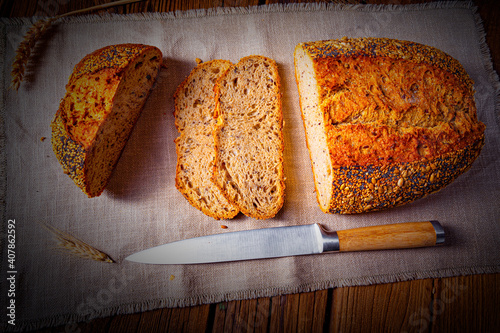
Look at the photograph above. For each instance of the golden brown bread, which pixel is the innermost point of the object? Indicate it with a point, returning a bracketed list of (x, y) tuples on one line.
[(104, 98), (194, 111), (249, 138), (387, 121)]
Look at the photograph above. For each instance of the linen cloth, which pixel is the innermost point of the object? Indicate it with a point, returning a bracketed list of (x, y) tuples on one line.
[(141, 207)]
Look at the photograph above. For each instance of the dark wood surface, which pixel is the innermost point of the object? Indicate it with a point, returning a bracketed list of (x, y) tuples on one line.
[(457, 304)]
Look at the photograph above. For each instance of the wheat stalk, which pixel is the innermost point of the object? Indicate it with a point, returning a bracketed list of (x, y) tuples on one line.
[(75, 246), (25, 48)]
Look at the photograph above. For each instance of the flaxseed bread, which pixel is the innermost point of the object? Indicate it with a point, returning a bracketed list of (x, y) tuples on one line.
[(248, 137), (386, 121), (104, 98), (194, 111)]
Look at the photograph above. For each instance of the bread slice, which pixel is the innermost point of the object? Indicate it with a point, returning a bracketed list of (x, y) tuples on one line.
[(248, 137), (194, 110), (104, 98), (386, 121)]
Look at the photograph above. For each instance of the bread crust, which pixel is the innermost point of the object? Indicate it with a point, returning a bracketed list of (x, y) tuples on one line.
[(386, 47), (365, 188), (386, 156), (72, 144)]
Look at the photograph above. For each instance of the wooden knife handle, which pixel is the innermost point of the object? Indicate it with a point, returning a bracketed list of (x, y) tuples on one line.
[(391, 236)]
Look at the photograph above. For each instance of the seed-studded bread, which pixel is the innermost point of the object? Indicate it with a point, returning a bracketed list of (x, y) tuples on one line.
[(104, 97), (248, 137), (386, 121), (194, 111)]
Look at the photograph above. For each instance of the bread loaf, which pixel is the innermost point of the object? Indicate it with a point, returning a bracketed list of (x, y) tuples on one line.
[(194, 111), (104, 97), (248, 137), (386, 121)]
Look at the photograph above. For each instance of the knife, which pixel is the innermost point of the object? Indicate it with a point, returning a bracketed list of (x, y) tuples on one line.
[(291, 241)]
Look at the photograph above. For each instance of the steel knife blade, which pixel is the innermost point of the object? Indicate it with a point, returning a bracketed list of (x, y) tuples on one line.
[(291, 241)]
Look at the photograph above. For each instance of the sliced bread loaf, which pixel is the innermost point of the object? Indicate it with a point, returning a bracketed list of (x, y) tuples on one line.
[(248, 137), (104, 98), (386, 121), (194, 109)]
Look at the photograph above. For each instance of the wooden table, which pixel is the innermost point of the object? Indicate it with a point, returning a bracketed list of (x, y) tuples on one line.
[(469, 303)]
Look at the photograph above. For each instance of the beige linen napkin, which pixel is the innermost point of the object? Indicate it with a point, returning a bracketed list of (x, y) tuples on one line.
[(141, 207)]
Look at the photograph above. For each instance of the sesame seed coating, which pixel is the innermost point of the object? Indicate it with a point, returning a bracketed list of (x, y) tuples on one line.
[(358, 189), (386, 47), (396, 120), (113, 56), (70, 154), (104, 97)]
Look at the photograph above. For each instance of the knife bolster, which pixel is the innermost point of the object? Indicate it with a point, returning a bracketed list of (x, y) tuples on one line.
[(330, 240)]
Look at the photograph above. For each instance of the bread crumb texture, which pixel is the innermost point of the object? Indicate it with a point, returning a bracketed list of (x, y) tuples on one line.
[(194, 111), (104, 97), (248, 137), (399, 117)]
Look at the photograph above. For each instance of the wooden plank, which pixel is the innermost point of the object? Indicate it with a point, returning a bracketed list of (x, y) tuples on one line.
[(244, 321), (250, 315), (165, 315), (276, 323), (305, 313), (385, 307), (175, 319), (188, 319), (150, 321), (346, 302), (19, 8), (232, 309), (320, 309), (467, 304), (125, 323), (312, 310), (290, 307), (263, 315), (219, 317), (198, 318), (98, 325)]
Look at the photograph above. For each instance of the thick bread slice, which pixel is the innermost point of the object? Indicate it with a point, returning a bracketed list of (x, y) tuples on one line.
[(104, 98), (248, 137), (194, 110), (386, 121)]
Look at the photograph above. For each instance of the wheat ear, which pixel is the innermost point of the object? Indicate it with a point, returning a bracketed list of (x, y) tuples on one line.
[(75, 246), (25, 48)]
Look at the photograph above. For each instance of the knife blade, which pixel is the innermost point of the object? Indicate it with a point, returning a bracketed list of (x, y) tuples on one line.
[(291, 241)]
